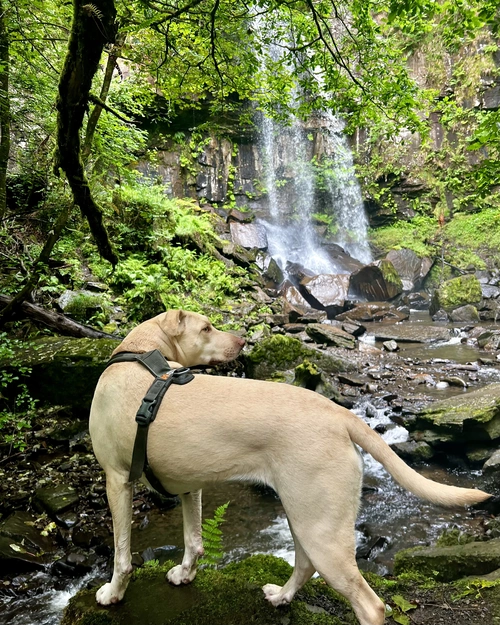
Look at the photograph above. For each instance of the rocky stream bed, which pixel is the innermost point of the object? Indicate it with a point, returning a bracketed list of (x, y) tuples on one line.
[(431, 389)]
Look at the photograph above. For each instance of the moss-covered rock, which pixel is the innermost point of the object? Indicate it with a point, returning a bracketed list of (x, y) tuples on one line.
[(279, 353), (378, 281), (451, 562), (455, 293), (64, 370), (231, 596), (473, 416)]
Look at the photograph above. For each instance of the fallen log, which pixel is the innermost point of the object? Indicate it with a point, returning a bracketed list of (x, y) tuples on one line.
[(56, 321)]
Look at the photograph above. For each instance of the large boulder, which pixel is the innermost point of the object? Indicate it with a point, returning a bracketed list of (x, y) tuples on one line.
[(378, 281), (248, 235), (64, 370), (410, 267), (410, 333), (330, 335), (326, 292), (231, 595), (451, 562), (471, 416), (341, 258), (455, 293), (373, 311), (294, 297), (279, 353), (271, 271)]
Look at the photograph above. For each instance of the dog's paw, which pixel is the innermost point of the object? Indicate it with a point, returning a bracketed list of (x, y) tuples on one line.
[(179, 575), (273, 594), (107, 596)]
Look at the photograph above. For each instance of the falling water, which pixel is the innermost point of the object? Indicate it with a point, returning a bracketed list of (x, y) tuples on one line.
[(345, 193), (290, 183)]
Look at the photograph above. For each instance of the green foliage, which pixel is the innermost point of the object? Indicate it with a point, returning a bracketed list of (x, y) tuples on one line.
[(401, 607), (472, 587), (17, 407), (415, 235), (212, 538)]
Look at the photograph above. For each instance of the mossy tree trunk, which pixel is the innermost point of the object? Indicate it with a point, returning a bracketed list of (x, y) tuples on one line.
[(4, 108), (93, 26), (113, 56)]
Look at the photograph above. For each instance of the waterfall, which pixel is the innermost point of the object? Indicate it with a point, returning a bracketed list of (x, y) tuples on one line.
[(345, 192), (290, 180), (289, 183), (295, 157)]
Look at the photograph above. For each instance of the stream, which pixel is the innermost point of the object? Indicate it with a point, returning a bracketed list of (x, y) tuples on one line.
[(390, 519)]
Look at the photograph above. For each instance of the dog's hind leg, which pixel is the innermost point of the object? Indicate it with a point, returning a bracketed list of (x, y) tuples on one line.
[(119, 493), (329, 541), (302, 572), (339, 570), (193, 547), (321, 503)]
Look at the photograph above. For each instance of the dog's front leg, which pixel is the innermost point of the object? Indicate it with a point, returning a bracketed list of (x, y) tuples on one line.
[(193, 547), (119, 493)]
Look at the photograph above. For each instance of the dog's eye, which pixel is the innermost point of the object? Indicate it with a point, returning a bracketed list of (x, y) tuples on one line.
[(207, 329)]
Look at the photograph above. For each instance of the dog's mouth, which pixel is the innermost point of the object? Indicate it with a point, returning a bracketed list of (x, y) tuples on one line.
[(215, 362)]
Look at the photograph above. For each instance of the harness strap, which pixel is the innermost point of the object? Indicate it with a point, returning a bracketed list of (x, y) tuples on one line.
[(157, 365)]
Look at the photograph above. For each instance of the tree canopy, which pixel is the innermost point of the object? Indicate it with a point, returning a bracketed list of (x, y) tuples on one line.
[(80, 83)]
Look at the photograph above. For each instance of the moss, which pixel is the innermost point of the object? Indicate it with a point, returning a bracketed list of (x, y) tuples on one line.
[(261, 569), (307, 375), (152, 569), (279, 353), (229, 596), (84, 306), (64, 370), (390, 274), (456, 292)]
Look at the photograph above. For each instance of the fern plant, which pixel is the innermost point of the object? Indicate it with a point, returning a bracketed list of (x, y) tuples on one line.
[(211, 535)]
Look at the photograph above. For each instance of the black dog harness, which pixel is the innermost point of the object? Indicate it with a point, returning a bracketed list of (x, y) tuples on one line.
[(155, 362)]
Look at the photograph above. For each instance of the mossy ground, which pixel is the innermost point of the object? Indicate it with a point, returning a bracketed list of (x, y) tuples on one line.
[(233, 596)]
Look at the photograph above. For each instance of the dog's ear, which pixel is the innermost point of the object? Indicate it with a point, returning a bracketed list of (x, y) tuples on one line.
[(174, 322)]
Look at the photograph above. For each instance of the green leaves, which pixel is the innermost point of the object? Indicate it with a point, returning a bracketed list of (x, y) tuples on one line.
[(212, 538), (399, 612)]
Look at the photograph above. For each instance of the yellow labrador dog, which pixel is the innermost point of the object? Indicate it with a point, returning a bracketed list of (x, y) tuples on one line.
[(220, 428)]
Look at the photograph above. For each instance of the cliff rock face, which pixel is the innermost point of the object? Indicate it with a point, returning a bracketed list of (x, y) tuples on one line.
[(411, 174)]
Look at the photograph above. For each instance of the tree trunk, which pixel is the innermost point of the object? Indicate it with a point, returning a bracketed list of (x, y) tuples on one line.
[(93, 26), (62, 324), (114, 54), (4, 109)]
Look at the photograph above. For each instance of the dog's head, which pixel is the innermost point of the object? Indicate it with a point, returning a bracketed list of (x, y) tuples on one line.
[(184, 337)]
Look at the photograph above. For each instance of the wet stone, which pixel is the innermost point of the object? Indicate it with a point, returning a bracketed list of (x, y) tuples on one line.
[(415, 451), (390, 346), (330, 335), (22, 547), (55, 500), (67, 519), (351, 380)]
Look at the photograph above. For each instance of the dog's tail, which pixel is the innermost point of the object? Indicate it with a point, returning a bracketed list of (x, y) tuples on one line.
[(361, 434)]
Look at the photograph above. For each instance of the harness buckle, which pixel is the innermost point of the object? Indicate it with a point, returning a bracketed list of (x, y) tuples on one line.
[(144, 415), (180, 371)]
